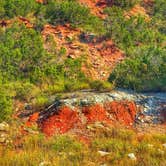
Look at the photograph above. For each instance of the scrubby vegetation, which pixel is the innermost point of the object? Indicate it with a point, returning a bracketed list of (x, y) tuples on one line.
[(75, 14), (125, 3), (34, 70), (143, 43), (13, 8), (145, 71), (27, 70), (26, 66)]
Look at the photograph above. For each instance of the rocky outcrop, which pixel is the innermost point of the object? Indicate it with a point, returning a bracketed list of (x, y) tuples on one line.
[(4, 133), (124, 107)]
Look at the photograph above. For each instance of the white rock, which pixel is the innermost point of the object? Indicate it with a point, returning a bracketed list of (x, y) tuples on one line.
[(164, 145), (103, 165), (2, 140), (44, 163), (4, 126), (150, 145), (132, 156), (102, 153), (161, 151)]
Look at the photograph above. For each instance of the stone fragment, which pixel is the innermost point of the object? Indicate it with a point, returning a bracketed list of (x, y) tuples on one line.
[(103, 153), (164, 145), (132, 156), (4, 126), (150, 145), (160, 151), (44, 163), (2, 139)]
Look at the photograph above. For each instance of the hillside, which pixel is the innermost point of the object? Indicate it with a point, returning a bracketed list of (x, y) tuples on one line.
[(82, 82)]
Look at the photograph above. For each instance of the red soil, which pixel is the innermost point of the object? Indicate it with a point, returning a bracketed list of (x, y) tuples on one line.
[(61, 122), (32, 119), (67, 119), (95, 113), (122, 111)]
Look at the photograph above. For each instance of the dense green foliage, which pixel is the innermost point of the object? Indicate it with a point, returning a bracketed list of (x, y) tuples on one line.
[(125, 3), (28, 71), (131, 33), (69, 11), (145, 71), (5, 106), (54, 12), (12, 8), (143, 43), (21, 52)]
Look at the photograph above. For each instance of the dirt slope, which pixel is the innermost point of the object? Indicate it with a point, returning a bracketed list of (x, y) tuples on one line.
[(101, 55)]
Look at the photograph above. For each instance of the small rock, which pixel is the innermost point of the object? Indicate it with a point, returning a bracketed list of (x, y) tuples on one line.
[(98, 125), (44, 163), (2, 139), (164, 145), (102, 153), (4, 126), (27, 106), (150, 145), (132, 156), (160, 151), (103, 165)]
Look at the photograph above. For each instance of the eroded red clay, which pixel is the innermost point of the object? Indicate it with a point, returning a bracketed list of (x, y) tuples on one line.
[(66, 118), (95, 113), (32, 119), (61, 122), (122, 111)]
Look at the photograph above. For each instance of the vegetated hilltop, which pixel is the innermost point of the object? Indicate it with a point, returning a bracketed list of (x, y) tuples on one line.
[(51, 47)]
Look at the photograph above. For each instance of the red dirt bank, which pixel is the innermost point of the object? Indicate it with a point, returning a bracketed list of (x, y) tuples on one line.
[(67, 119)]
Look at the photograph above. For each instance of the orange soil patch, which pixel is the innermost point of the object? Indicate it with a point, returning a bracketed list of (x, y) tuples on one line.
[(94, 7), (61, 122), (21, 20), (32, 119), (95, 113), (61, 35), (102, 58), (122, 111)]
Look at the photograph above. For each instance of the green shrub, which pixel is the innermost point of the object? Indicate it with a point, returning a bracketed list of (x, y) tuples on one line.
[(12, 8), (21, 51), (101, 85), (66, 144), (5, 106), (158, 9), (131, 33), (68, 11), (125, 3), (41, 101), (144, 72)]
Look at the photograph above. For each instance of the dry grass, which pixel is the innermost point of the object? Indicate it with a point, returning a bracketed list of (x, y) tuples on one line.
[(65, 150)]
